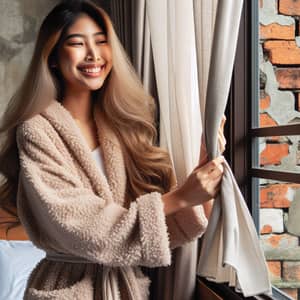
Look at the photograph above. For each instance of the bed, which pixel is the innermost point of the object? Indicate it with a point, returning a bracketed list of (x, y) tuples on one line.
[(18, 257)]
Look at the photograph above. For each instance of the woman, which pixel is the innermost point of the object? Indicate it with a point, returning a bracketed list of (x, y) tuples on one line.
[(93, 190)]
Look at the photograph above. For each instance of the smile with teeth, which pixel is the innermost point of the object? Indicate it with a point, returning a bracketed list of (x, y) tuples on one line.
[(92, 71)]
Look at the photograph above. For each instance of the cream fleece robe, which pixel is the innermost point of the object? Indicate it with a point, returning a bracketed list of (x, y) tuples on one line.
[(67, 206)]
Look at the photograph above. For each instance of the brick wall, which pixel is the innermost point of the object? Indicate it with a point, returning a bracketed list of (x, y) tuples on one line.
[(280, 105)]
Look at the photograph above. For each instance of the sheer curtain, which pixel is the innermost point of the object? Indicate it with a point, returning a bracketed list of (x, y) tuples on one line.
[(173, 42)]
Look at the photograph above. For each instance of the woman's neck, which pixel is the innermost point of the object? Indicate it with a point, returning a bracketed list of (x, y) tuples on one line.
[(79, 104)]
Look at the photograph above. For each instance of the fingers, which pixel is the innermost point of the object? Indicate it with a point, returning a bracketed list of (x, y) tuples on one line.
[(210, 175), (213, 186), (221, 142), (213, 164), (216, 172), (223, 121), (221, 137)]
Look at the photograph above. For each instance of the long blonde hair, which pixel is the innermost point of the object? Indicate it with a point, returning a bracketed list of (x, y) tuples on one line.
[(126, 107)]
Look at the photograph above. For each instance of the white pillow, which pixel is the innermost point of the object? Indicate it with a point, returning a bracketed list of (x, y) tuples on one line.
[(17, 260)]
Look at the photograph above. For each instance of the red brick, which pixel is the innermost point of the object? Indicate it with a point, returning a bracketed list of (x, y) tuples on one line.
[(288, 78), (289, 7), (274, 268), (266, 229), (273, 154), (291, 292), (277, 32), (264, 102), (274, 195), (265, 120), (291, 270), (283, 52), (280, 241)]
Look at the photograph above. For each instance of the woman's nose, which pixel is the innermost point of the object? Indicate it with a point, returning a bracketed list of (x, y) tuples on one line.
[(93, 54), (90, 57)]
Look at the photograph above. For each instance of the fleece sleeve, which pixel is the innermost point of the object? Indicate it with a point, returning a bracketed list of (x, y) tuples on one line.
[(186, 225), (62, 215)]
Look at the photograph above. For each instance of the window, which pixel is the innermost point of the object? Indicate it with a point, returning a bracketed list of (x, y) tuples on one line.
[(263, 154)]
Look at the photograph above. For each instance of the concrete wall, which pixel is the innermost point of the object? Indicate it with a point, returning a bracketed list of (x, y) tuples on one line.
[(19, 24)]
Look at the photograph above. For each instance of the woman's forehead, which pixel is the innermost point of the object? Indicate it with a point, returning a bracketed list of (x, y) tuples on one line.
[(84, 24)]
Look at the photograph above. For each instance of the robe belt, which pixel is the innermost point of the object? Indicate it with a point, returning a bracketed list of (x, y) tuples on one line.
[(61, 257), (110, 285)]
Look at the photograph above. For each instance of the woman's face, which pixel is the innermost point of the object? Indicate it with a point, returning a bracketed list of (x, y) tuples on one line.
[(84, 58)]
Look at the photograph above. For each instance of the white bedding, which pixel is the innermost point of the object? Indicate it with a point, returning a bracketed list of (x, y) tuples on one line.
[(17, 260)]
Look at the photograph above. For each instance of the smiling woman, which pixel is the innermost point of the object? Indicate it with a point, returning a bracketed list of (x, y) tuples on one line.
[(84, 55), (97, 225)]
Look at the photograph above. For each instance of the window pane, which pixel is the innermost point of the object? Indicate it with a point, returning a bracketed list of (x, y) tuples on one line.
[(281, 153), (280, 231), (278, 103), (281, 108)]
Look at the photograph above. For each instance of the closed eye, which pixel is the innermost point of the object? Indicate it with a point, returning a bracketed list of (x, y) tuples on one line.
[(76, 44), (101, 42)]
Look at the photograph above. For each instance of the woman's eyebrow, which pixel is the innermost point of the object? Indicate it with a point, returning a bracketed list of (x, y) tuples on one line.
[(82, 35)]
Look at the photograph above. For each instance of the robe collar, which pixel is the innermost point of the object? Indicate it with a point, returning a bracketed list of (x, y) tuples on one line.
[(112, 187)]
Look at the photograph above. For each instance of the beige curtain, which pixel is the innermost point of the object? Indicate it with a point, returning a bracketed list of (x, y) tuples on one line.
[(173, 29), (204, 18), (231, 251), (173, 41)]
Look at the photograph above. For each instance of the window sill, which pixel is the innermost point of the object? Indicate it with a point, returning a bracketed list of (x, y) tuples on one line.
[(209, 290)]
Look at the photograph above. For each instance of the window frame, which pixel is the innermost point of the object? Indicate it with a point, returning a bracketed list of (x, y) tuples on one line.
[(243, 109)]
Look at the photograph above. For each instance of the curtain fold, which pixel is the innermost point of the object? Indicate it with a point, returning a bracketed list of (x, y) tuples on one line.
[(173, 43), (230, 251), (204, 22)]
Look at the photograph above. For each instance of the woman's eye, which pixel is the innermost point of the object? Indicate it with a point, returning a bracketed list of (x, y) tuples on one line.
[(76, 44), (101, 42)]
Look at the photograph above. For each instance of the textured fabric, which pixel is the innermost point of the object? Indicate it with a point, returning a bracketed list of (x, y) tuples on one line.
[(231, 250), (67, 206)]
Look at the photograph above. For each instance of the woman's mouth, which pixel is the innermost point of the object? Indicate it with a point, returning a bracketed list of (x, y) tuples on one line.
[(92, 71)]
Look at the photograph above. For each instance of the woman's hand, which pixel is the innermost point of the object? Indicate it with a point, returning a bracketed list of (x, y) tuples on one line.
[(201, 185)]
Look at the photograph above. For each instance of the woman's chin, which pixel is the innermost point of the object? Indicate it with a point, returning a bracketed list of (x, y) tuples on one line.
[(95, 86)]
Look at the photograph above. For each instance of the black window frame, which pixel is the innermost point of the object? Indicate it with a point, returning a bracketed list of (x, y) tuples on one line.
[(243, 110)]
